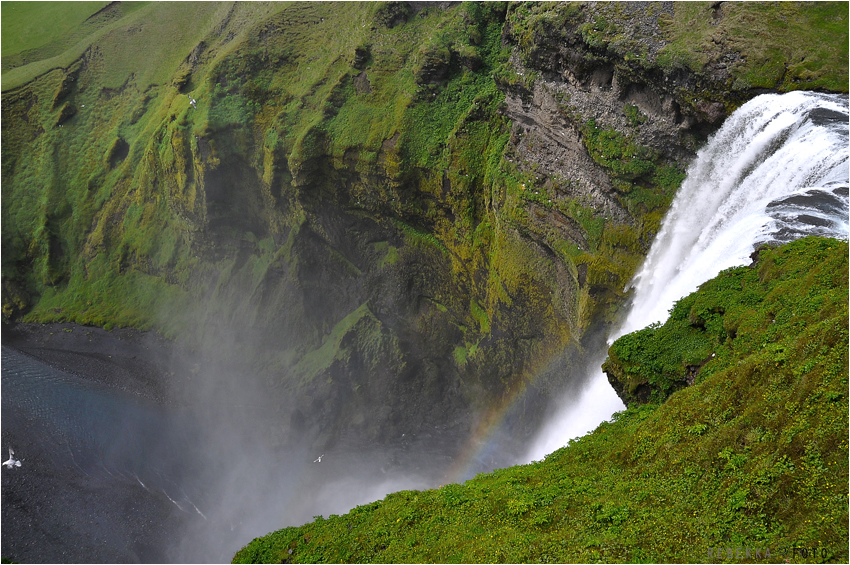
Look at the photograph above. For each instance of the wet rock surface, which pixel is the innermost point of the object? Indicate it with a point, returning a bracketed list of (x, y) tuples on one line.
[(574, 82)]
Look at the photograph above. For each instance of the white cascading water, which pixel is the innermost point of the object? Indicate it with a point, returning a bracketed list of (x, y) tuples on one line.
[(749, 185), (777, 170)]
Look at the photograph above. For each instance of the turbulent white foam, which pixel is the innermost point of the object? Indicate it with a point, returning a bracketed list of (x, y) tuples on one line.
[(776, 170), (773, 147)]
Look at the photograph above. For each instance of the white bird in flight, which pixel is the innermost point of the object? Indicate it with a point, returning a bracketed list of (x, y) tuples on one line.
[(319, 459), (12, 462), (192, 101)]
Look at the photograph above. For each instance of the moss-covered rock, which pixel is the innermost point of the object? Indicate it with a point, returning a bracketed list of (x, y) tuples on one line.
[(348, 156)]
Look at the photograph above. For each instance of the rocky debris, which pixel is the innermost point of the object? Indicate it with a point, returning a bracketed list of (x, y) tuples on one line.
[(362, 84), (714, 112), (361, 55), (391, 14), (601, 64), (569, 91), (541, 135), (639, 24)]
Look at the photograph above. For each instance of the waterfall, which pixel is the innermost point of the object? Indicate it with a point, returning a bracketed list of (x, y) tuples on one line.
[(777, 170)]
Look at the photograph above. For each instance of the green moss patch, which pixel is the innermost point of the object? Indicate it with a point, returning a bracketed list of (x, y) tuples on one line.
[(788, 46)]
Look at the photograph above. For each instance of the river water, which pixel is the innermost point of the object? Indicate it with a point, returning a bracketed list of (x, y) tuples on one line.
[(88, 462), (108, 476)]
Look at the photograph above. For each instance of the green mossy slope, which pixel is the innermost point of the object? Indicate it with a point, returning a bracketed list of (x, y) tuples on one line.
[(754, 455), (787, 46), (769, 312)]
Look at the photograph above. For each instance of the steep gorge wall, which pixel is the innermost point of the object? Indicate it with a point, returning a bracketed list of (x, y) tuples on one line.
[(354, 209)]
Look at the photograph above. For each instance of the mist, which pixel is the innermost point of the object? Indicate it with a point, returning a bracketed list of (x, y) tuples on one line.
[(236, 450), (253, 465), (256, 470), (577, 415)]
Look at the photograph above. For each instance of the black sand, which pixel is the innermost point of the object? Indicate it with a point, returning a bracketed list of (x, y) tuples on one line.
[(127, 359)]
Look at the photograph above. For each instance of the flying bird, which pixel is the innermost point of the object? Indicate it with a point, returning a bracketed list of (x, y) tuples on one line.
[(12, 462), (318, 459), (192, 101)]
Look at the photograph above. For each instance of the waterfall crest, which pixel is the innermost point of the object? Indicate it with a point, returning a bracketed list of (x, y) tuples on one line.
[(777, 170)]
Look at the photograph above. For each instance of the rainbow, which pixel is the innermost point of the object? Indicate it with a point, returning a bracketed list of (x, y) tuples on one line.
[(483, 440)]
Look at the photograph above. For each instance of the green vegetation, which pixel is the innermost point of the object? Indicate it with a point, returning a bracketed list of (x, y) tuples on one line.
[(532, 22), (788, 46), (45, 23), (122, 31), (108, 165), (634, 115), (753, 455), (282, 97), (120, 205), (341, 186), (728, 51), (645, 186), (626, 160), (782, 45), (768, 313)]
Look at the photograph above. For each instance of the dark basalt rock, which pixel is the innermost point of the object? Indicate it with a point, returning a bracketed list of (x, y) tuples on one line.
[(66, 112)]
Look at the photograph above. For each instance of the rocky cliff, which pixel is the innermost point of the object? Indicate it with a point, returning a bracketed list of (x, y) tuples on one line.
[(390, 215)]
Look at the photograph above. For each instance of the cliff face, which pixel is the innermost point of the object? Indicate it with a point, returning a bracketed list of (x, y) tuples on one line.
[(393, 214)]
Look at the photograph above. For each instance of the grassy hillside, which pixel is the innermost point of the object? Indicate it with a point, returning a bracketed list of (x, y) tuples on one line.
[(732, 318), (44, 36), (45, 23), (753, 455), (293, 94), (787, 46)]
